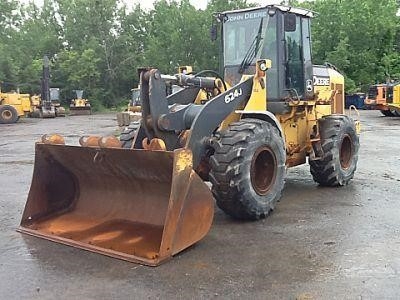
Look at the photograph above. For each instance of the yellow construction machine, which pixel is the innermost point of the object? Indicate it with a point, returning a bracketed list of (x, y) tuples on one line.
[(13, 105), (148, 200), (384, 97), (132, 112), (394, 104), (79, 105), (54, 109)]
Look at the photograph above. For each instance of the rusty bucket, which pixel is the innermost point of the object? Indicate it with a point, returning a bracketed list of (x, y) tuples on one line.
[(137, 205)]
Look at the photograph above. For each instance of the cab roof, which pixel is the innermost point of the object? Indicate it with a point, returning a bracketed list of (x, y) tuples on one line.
[(296, 10)]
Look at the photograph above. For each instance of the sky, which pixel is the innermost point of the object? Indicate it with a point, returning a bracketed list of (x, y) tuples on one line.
[(200, 4)]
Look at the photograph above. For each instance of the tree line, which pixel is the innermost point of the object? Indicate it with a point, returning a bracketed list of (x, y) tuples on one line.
[(98, 45)]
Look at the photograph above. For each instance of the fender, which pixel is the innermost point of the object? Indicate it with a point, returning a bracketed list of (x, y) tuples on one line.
[(262, 115)]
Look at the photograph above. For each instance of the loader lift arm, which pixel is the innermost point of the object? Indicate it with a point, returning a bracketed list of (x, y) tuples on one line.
[(163, 121)]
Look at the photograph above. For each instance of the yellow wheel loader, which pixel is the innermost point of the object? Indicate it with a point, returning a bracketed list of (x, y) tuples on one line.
[(148, 200), (79, 105), (13, 105)]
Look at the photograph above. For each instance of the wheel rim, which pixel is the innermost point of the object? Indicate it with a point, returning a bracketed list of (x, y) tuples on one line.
[(6, 115), (346, 152), (263, 170)]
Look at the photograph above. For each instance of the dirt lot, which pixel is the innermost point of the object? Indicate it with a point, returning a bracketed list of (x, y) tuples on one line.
[(319, 243)]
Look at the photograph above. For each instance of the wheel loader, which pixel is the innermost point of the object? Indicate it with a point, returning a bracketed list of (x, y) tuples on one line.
[(79, 105), (147, 200), (384, 97), (13, 105)]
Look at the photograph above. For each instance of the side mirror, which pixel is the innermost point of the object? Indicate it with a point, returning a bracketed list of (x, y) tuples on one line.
[(290, 22), (213, 32)]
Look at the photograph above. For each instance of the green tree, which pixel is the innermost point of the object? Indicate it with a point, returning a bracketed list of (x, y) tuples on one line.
[(356, 36), (9, 20)]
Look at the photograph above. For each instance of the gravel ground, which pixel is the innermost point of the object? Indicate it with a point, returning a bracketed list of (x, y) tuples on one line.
[(319, 243)]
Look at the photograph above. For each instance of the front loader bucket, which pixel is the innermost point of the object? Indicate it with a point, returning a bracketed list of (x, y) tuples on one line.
[(137, 205), (80, 111)]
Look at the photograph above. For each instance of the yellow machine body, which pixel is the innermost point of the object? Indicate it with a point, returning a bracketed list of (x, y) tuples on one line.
[(36, 101), (395, 104), (80, 102), (20, 103), (298, 124)]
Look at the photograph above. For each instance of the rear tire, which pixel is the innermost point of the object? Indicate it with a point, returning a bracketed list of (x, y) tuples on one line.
[(340, 145), (8, 114), (248, 169)]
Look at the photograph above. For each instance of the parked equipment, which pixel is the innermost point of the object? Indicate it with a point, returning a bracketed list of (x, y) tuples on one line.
[(394, 104), (13, 105), (132, 113), (47, 105), (384, 97), (149, 201), (357, 100), (79, 105)]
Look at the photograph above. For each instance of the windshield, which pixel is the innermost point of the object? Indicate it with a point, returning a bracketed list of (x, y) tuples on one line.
[(79, 94), (135, 99), (373, 92), (241, 30)]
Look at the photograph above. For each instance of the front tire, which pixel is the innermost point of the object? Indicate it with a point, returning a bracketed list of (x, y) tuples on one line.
[(248, 169), (340, 144), (8, 114), (128, 135)]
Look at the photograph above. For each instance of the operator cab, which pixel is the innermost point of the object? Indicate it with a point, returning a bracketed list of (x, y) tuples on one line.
[(278, 33)]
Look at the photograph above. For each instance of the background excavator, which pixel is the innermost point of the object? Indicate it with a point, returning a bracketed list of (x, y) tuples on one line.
[(47, 104), (146, 200)]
